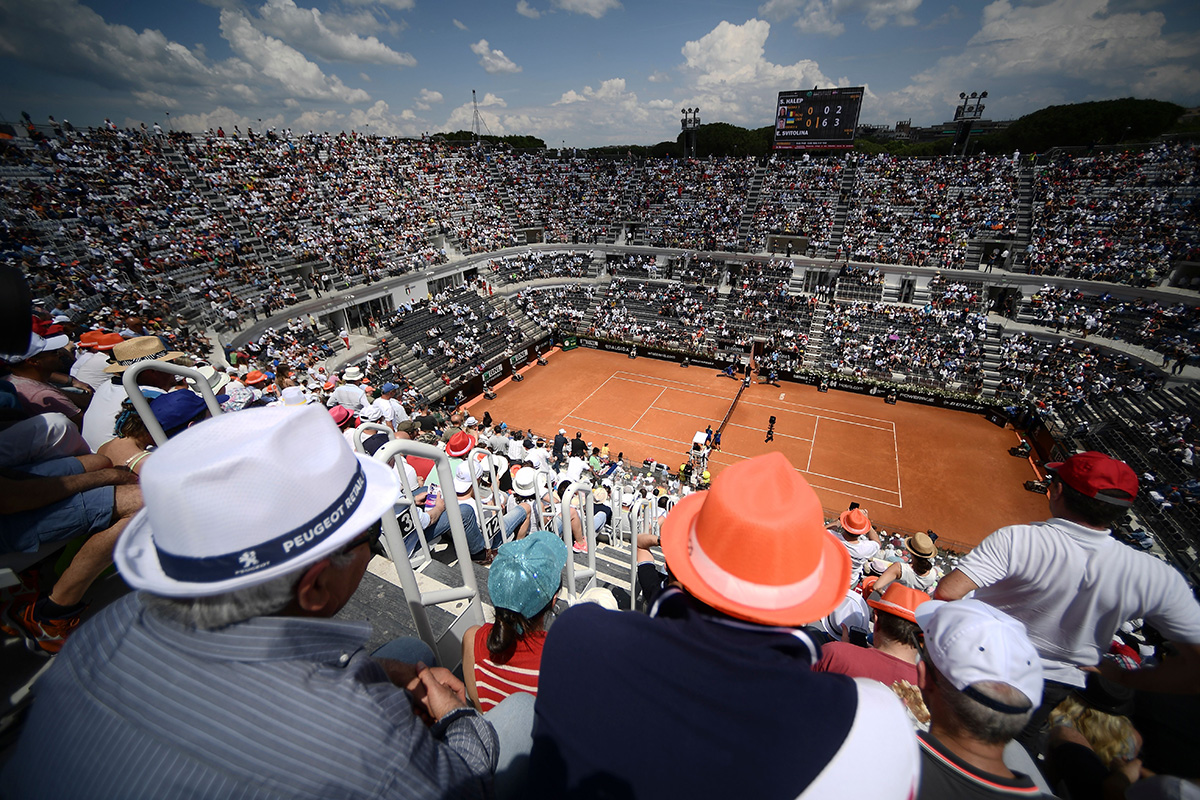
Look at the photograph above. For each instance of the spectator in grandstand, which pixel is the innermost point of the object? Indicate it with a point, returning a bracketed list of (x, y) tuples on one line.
[(102, 412), (92, 358), (349, 394), (748, 581), (239, 607), (892, 655), (392, 412), (855, 531), (174, 411), (560, 445), (981, 680), (50, 501), (921, 574), (30, 374), (1072, 585), (502, 658)]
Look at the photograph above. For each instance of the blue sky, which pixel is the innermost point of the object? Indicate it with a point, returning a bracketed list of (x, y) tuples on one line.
[(587, 72)]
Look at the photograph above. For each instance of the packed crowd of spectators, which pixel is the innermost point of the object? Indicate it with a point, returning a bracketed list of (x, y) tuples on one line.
[(534, 264), (882, 340), (575, 200), (1171, 330), (1123, 217), (667, 314), (1063, 372), (922, 212), (694, 203), (561, 308), (799, 197)]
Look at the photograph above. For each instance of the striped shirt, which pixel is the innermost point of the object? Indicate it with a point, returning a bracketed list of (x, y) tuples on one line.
[(274, 707), (519, 673)]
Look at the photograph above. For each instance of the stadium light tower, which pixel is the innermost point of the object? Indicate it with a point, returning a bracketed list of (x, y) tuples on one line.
[(969, 109), (690, 124)]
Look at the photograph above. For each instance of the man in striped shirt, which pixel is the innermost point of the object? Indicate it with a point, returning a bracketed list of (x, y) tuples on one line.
[(225, 676)]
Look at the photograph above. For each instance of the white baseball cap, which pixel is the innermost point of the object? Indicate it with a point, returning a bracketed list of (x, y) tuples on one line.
[(463, 474), (970, 642), (39, 345)]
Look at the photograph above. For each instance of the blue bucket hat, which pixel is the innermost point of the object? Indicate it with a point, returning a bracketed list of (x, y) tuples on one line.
[(527, 573), (176, 409)]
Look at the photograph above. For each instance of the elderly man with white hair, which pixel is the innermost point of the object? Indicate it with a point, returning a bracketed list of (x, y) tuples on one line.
[(224, 674)]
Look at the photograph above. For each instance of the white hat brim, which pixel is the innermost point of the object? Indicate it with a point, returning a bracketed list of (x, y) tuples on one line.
[(137, 559)]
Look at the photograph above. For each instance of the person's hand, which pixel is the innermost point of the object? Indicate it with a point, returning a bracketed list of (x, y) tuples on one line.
[(398, 672), (1107, 668), (116, 476), (439, 506), (845, 633), (439, 698)]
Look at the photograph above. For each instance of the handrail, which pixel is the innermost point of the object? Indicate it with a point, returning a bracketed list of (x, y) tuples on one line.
[(369, 426), (449, 647), (587, 515), (645, 519), (489, 523), (142, 405), (411, 512)]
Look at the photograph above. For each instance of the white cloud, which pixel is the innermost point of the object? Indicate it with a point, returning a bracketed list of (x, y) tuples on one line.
[(526, 10), (659, 77), (305, 29), (284, 64), (223, 117), (460, 25), (1111, 54), (593, 8), (426, 97), (155, 100), (489, 100), (493, 61), (399, 5), (661, 104), (824, 16), (733, 82)]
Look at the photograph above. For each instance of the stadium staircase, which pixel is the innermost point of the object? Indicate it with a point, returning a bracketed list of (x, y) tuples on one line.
[(816, 337), (991, 357), (843, 206), (505, 195), (750, 208), (1025, 199)]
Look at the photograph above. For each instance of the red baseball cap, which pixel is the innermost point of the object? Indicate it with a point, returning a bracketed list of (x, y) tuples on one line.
[(1090, 473)]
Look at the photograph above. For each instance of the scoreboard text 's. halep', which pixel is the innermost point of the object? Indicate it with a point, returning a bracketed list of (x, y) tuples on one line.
[(817, 118)]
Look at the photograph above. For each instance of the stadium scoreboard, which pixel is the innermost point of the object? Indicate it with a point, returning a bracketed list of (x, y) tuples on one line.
[(817, 119)]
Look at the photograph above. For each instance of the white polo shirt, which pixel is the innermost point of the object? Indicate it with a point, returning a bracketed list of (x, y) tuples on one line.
[(1073, 586)]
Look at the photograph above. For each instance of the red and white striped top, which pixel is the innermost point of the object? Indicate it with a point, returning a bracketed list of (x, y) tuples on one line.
[(519, 673)]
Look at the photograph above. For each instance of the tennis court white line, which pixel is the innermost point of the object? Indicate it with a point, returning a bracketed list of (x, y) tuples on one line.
[(808, 466), (589, 397), (675, 389), (896, 450), (777, 434), (647, 411), (878, 500), (823, 416)]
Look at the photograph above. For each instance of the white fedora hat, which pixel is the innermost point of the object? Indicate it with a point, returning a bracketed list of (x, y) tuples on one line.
[(297, 491), (352, 374)]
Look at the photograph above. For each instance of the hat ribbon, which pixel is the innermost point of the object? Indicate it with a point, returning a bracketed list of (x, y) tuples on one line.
[(125, 362), (767, 597), (210, 569)]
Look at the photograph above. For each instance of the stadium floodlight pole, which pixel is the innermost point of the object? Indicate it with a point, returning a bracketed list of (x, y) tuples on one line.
[(969, 110), (690, 123)]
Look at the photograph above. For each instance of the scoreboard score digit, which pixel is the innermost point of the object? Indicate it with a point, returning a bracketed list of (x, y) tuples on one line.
[(817, 118)]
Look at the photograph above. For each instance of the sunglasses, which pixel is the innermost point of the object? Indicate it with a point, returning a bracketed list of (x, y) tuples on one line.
[(366, 537)]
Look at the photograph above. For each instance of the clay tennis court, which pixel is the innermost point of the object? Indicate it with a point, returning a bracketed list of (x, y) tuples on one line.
[(911, 466)]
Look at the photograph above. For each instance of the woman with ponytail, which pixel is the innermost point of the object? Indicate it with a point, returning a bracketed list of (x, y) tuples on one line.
[(504, 657)]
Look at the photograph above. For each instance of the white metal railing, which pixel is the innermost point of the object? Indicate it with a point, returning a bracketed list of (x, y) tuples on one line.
[(142, 405), (448, 647), (587, 521)]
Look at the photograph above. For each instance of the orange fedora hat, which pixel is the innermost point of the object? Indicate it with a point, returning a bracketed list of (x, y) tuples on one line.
[(900, 600), (755, 546)]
